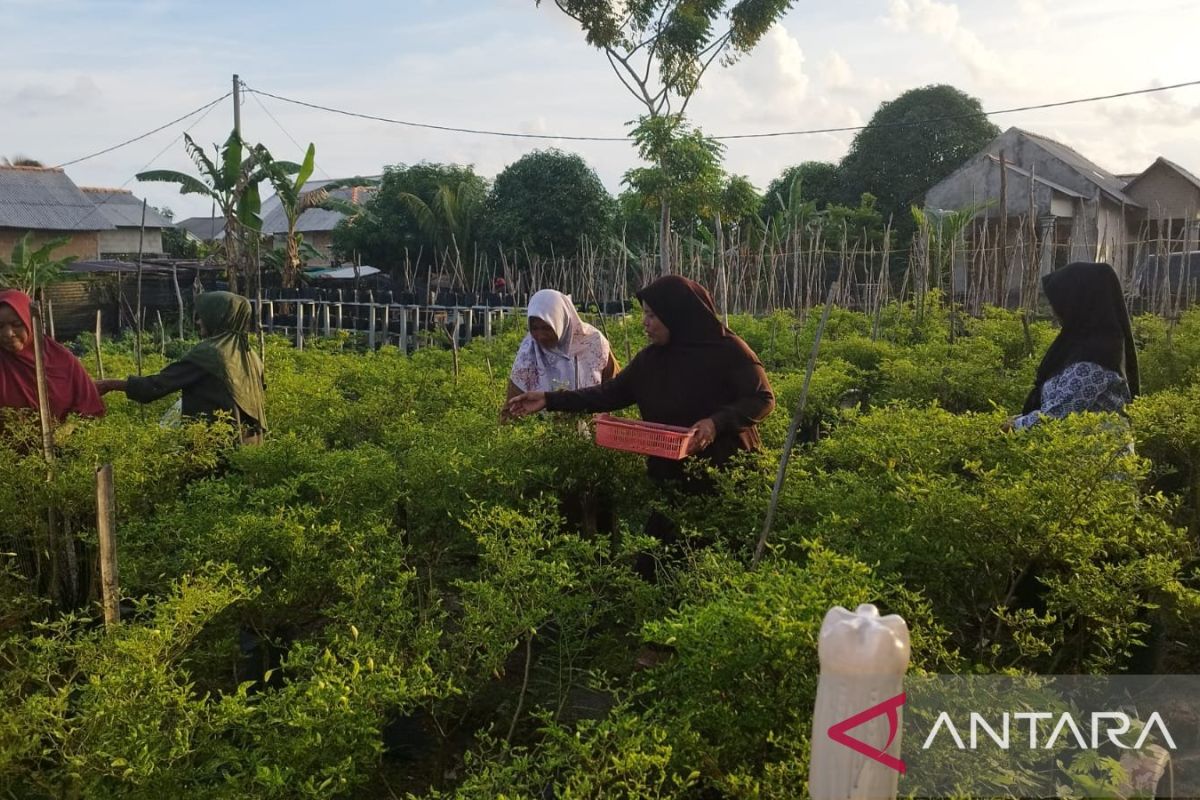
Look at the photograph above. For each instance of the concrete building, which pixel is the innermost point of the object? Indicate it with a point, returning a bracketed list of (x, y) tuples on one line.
[(124, 211), (45, 202)]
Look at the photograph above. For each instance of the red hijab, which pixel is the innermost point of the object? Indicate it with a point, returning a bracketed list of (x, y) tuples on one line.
[(72, 390)]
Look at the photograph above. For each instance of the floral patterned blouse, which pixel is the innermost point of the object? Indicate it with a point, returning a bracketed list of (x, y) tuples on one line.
[(1083, 386)]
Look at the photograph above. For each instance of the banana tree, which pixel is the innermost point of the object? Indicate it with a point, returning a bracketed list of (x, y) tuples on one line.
[(32, 270), (288, 180), (231, 182)]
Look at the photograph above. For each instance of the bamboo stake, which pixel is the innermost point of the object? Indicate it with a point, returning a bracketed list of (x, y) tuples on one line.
[(99, 353), (106, 527), (54, 547), (793, 429)]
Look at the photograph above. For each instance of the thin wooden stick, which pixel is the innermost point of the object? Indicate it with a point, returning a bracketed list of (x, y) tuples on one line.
[(794, 429), (106, 527), (99, 355)]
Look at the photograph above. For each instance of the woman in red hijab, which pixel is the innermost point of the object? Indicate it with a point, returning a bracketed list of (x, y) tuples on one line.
[(71, 388)]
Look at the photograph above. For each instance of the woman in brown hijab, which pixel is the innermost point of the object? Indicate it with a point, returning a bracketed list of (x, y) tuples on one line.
[(695, 373)]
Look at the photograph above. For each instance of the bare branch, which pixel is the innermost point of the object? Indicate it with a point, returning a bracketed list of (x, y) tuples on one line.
[(716, 51), (642, 94)]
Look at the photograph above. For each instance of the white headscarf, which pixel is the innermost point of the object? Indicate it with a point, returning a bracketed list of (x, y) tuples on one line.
[(577, 361)]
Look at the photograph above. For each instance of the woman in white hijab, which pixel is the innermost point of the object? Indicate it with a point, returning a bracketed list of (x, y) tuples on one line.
[(561, 351)]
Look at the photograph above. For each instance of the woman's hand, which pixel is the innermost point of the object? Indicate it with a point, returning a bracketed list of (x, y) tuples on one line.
[(523, 405), (1008, 425), (704, 433), (104, 387)]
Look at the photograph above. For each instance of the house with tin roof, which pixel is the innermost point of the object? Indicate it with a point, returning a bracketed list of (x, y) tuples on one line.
[(45, 202), (316, 224), (129, 235)]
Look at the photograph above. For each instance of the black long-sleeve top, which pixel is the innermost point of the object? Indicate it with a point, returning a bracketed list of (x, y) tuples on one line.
[(203, 394), (681, 385)]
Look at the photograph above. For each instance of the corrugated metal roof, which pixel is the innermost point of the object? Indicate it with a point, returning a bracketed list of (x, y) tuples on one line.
[(33, 198), (1058, 187), (204, 228), (1084, 166), (122, 209), (314, 219)]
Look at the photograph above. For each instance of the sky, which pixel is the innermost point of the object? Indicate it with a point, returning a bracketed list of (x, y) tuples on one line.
[(83, 75)]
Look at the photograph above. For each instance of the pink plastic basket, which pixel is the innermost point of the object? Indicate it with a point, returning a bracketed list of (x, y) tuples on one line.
[(646, 438)]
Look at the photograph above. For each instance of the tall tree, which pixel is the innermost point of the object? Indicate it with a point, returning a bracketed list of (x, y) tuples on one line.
[(660, 49), (684, 177), (910, 144), (547, 201)]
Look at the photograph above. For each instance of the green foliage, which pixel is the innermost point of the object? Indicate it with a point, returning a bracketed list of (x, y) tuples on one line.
[(686, 172), (418, 212), (393, 559), (681, 39), (548, 201), (32, 270), (230, 179), (910, 144), (817, 181)]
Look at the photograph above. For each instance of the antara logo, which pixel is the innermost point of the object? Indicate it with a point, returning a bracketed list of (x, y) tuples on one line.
[(891, 708), (1106, 727)]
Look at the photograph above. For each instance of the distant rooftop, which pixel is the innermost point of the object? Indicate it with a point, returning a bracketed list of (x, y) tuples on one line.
[(123, 209), (41, 198)]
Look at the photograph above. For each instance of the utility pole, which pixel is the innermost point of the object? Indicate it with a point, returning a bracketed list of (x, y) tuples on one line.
[(235, 267), (237, 106)]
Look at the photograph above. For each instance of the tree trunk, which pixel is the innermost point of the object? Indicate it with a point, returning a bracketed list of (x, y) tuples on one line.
[(664, 238), (291, 268), (232, 260)]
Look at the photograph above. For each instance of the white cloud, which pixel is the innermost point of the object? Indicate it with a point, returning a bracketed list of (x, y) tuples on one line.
[(943, 21), (836, 72)]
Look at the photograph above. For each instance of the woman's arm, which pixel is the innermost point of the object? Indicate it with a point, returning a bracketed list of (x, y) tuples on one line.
[(607, 396), (755, 399), (173, 378), (513, 390)]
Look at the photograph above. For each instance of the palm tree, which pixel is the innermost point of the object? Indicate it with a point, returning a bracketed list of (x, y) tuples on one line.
[(450, 219), (20, 161), (232, 184)]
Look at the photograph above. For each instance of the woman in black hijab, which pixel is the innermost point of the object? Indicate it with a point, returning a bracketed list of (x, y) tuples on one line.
[(1092, 364), (695, 373)]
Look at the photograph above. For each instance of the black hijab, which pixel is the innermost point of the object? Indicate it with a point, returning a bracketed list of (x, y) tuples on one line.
[(686, 308), (1090, 306)]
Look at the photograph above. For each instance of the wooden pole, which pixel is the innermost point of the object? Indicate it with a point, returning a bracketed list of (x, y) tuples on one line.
[(141, 243), (50, 317), (794, 429), (106, 527), (162, 334), (371, 326), (54, 546), (42, 388), (99, 354), (179, 298), (299, 326)]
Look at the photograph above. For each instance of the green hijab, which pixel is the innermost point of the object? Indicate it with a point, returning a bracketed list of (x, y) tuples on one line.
[(225, 353)]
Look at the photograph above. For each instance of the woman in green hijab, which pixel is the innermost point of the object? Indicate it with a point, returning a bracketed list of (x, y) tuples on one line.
[(220, 374)]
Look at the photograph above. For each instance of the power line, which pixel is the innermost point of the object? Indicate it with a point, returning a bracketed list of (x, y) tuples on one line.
[(279, 125), (127, 142), (811, 131), (110, 195)]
